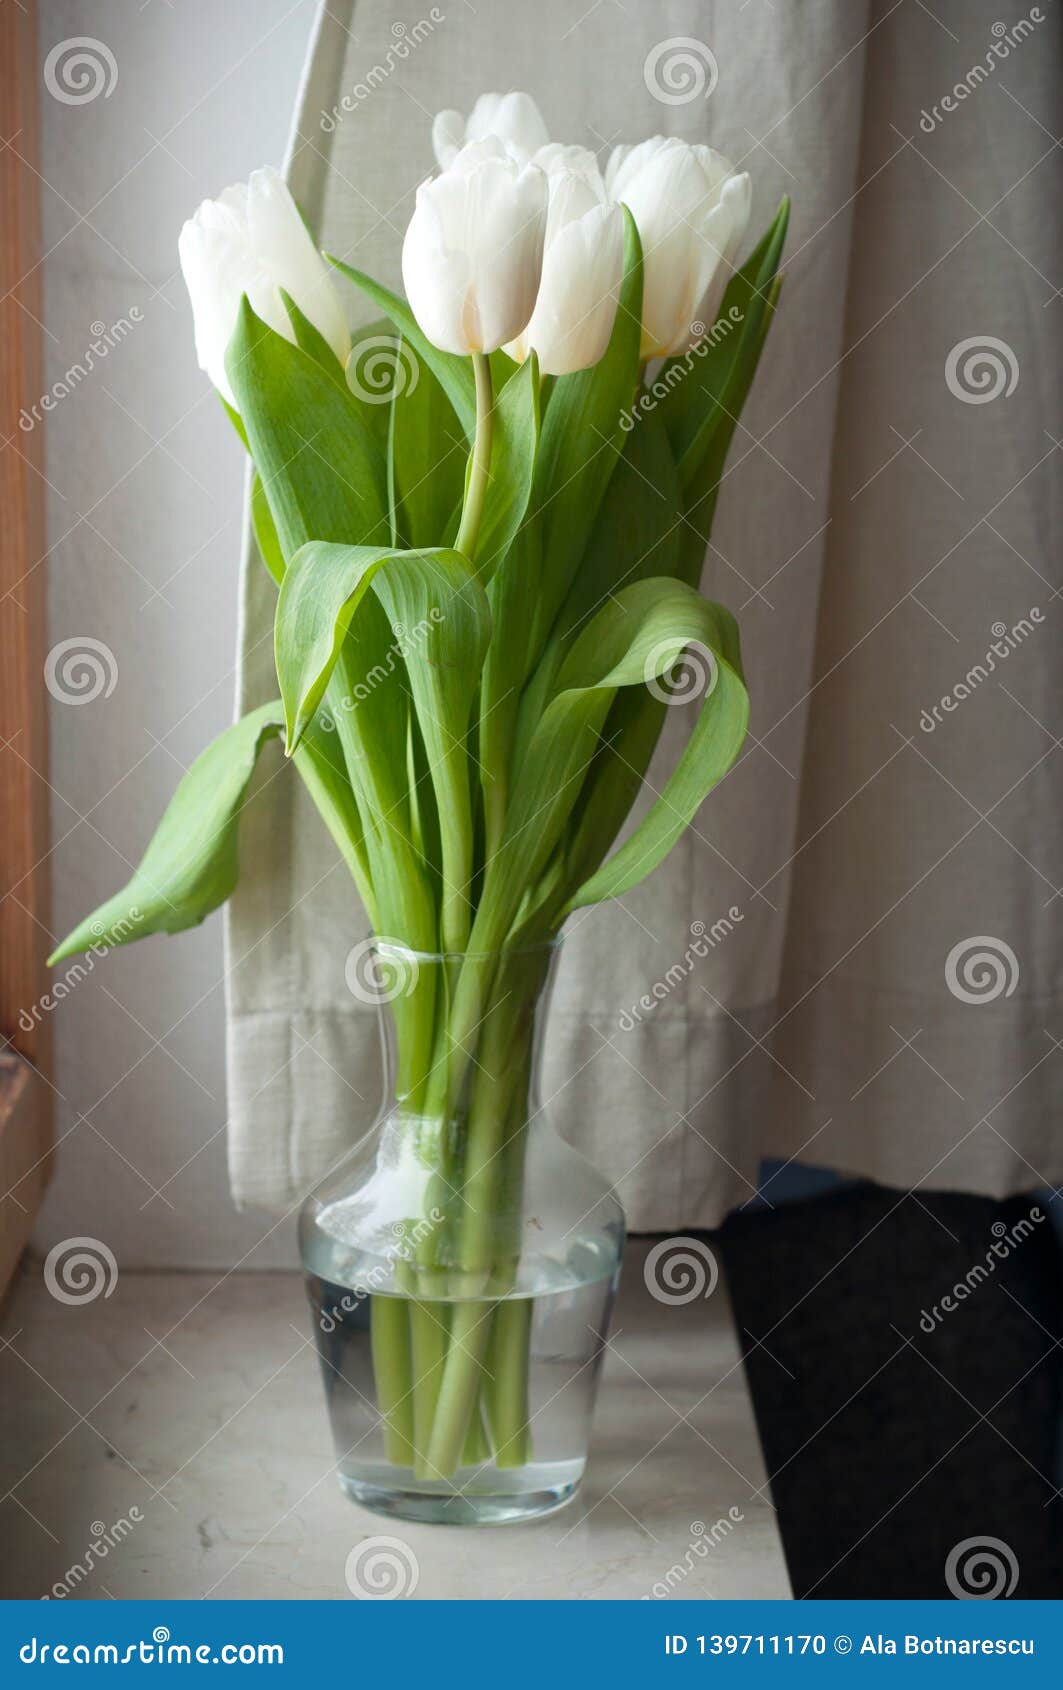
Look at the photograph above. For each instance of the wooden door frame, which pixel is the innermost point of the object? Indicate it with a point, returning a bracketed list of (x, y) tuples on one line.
[(25, 1053)]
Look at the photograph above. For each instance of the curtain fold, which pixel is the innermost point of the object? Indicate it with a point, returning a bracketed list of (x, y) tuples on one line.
[(806, 950)]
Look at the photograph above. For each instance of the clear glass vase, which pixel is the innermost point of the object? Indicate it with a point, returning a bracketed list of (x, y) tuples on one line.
[(462, 1261)]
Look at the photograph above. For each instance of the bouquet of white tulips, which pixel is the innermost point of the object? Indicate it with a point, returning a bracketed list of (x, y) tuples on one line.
[(487, 569)]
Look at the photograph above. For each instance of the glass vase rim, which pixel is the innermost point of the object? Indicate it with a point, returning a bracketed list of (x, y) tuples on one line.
[(388, 946)]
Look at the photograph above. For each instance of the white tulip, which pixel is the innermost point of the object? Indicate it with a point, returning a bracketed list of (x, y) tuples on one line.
[(691, 211), (514, 119), (583, 261), (473, 252), (253, 241)]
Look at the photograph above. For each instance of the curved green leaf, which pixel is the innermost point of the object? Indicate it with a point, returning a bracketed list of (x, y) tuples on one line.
[(192, 863), (634, 639)]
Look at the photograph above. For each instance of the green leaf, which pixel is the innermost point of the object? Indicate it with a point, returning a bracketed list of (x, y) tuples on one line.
[(265, 530), (702, 391), (639, 526), (433, 593), (582, 436), (319, 760), (634, 639), (442, 611), (454, 373), (311, 341), (427, 454), (711, 750), (322, 471), (192, 863), (514, 443), (703, 487)]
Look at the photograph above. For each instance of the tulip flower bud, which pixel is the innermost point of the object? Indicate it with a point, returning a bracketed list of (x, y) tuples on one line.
[(514, 119), (583, 262), (691, 211), (253, 241), (473, 252)]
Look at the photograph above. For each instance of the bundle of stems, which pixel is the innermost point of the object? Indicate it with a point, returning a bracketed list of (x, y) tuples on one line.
[(486, 578)]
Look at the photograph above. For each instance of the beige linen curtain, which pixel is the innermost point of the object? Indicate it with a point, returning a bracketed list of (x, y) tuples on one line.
[(854, 957)]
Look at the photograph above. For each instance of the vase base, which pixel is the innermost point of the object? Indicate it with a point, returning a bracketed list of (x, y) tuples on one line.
[(457, 1509)]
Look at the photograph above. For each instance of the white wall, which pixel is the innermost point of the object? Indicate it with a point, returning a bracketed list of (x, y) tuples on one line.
[(144, 496)]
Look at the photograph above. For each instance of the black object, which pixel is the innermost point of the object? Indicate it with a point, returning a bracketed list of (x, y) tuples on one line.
[(903, 1355)]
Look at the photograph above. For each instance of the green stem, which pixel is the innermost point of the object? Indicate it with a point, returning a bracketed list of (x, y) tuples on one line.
[(480, 466), (506, 1391), (389, 1327)]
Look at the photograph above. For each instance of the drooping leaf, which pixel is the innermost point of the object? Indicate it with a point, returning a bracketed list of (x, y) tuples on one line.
[(442, 610), (192, 863), (710, 751), (632, 640)]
